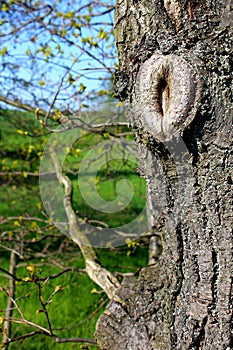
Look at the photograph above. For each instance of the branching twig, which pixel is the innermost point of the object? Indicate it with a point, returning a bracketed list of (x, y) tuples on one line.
[(44, 304), (42, 279)]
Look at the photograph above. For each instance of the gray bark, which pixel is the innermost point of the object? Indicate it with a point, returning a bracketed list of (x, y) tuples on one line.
[(169, 49)]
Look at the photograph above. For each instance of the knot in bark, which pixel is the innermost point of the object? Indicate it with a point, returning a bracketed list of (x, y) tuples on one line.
[(165, 96)]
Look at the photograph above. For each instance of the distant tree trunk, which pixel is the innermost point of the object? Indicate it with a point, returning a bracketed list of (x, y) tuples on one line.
[(174, 75), (11, 293)]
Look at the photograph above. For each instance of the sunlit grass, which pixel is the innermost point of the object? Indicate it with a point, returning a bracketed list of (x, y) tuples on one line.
[(77, 306)]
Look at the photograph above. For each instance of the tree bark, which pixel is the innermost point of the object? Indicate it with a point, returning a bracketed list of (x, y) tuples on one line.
[(174, 76)]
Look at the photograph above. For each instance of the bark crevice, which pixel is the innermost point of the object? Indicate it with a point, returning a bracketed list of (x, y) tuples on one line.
[(185, 300)]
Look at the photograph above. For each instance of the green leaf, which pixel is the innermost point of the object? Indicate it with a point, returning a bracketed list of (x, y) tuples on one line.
[(69, 15), (103, 35), (63, 32), (87, 18), (3, 51), (4, 7), (82, 87)]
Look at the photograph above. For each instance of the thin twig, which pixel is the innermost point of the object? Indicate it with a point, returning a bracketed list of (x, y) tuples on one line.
[(22, 337), (44, 304), (75, 340), (42, 279), (29, 323)]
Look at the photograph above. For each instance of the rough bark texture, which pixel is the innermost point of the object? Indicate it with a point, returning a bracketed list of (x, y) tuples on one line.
[(185, 300)]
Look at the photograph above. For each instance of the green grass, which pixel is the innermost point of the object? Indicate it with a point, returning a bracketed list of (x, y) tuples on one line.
[(70, 306), (75, 308)]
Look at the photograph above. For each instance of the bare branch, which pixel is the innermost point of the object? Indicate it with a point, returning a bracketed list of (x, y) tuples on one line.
[(51, 277), (75, 340), (44, 304), (15, 304), (56, 339), (105, 279), (20, 105), (29, 323), (11, 275), (22, 337), (12, 250)]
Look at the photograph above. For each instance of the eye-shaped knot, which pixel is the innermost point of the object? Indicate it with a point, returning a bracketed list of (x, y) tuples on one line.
[(165, 95)]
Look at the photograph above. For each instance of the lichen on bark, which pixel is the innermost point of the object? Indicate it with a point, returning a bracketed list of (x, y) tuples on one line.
[(185, 300)]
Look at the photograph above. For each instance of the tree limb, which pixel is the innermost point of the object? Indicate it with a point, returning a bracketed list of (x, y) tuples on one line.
[(104, 278), (20, 105)]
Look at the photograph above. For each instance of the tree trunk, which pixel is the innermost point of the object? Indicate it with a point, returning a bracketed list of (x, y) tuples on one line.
[(174, 76)]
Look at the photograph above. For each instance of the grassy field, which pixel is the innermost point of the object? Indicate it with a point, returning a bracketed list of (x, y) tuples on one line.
[(75, 309)]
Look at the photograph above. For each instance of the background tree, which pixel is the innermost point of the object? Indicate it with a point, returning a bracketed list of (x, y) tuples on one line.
[(73, 39), (38, 264)]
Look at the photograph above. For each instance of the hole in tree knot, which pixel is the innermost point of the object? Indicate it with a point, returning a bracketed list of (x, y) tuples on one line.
[(165, 95)]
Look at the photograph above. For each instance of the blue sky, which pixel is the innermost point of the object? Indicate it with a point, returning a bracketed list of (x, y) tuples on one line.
[(18, 75)]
